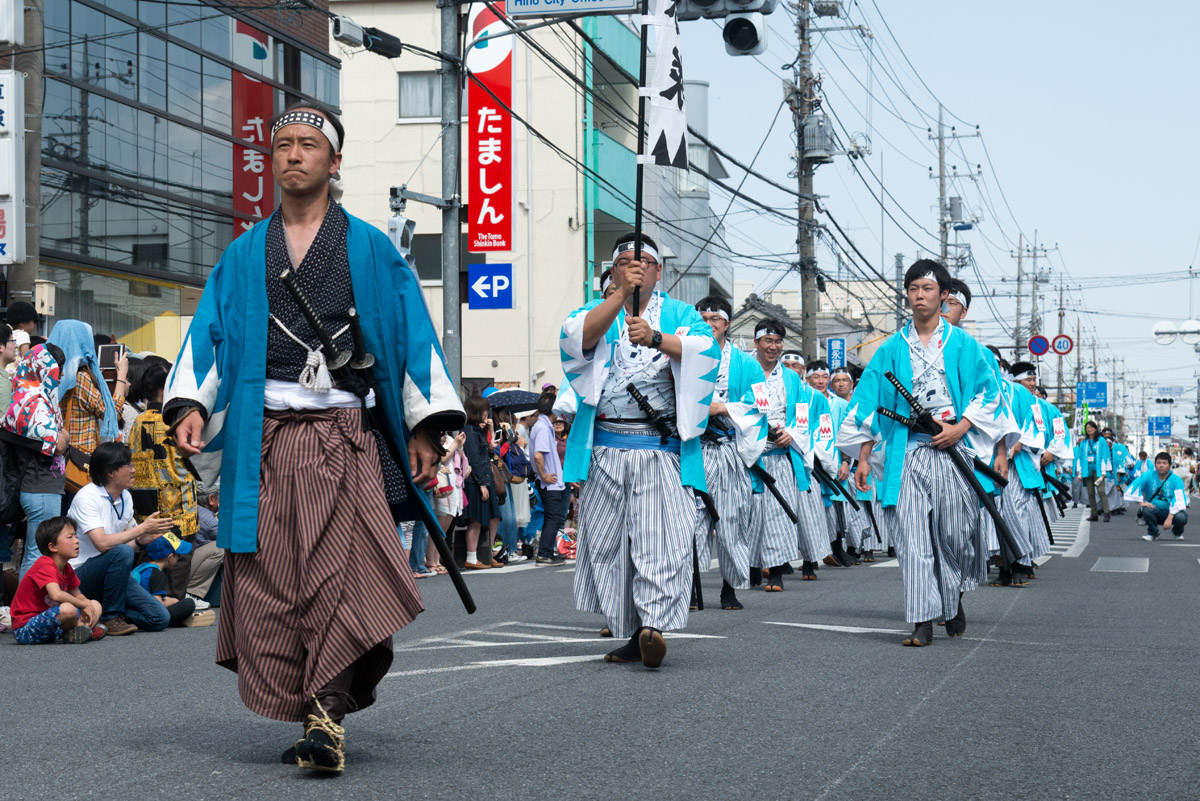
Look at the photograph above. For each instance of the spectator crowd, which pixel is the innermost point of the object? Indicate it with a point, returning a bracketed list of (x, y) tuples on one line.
[(105, 529)]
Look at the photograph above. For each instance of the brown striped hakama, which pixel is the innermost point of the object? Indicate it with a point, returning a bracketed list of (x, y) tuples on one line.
[(329, 584)]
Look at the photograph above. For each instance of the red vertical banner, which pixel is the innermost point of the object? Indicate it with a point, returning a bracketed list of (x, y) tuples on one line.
[(489, 134), (253, 106)]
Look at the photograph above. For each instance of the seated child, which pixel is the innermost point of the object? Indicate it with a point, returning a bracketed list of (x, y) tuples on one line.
[(48, 605), (164, 552)]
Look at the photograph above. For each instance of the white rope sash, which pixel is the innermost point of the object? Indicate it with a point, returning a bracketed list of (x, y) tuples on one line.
[(315, 375)]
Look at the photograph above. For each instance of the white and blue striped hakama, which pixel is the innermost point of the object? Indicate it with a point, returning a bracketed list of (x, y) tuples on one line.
[(636, 526), (813, 529), (772, 533), (1016, 505), (884, 540), (934, 523), (731, 493)]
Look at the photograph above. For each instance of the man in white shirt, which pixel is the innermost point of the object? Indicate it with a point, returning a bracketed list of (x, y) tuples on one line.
[(103, 513)]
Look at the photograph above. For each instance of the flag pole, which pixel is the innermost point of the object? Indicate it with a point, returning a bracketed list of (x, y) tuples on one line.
[(641, 152)]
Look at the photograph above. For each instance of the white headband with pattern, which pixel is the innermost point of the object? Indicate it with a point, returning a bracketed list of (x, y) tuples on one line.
[(792, 358), (720, 312), (961, 298), (763, 330), (312, 119), (817, 371), (1024, 375), (626, 247)]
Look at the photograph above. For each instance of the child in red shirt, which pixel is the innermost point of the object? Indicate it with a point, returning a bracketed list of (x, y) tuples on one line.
[(48, 605)]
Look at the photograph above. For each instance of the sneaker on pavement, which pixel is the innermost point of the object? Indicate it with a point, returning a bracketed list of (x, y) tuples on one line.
[(517, 558), (201, 604), (119, 626), (77, 635), (546, 560), (1147, 538), (1178, 537), (98, 631)]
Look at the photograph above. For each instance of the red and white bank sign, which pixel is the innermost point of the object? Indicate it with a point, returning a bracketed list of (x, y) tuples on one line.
[(253, 106), (489, 137)]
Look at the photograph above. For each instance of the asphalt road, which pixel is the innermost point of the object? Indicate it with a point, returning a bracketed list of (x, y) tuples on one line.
[(1081, 685)]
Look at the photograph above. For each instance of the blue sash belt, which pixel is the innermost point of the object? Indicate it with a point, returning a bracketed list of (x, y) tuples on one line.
[(637, 442)]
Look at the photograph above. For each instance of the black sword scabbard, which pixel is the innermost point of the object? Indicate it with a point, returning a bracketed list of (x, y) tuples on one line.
[(768, 481), (334, 359)]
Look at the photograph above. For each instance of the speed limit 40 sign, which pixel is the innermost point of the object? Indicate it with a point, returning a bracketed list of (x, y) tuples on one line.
[(1062, 344)]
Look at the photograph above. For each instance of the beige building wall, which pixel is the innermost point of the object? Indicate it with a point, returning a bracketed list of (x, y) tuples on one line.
[(381, 152)]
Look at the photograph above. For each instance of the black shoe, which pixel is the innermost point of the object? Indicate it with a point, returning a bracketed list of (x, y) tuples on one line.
[(840, 554), (1107, 517), (629, 652), (868, 556), (652, 646), (1004, 579), (1093, 518), (891, 552), (527, 549), (808, 571), (786, 569), (553, 561), (323, 748), (775, 579), (958, 624), (922, 635), (501, 557), (729, 597), (756, 576)]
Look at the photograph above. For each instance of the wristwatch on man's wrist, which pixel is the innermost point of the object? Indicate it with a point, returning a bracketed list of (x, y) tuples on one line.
[(656, 340)]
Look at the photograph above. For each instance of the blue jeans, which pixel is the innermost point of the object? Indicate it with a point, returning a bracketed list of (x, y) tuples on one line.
[(529, 531), (507, 529), (39, 507), (105, 578), (416, 551), (1156, 517)]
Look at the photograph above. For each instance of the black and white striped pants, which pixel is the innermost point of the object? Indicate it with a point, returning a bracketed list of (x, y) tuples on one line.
[(934, 524), (729, 486), (636, 526)]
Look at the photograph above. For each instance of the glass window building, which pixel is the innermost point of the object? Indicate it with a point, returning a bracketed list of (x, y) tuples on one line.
[(155, 149)]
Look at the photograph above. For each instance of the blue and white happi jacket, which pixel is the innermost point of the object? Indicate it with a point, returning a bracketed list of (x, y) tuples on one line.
[(749, 422), (974, 394), (222, 366), (1093, 457), (809, 422), (694, 376)]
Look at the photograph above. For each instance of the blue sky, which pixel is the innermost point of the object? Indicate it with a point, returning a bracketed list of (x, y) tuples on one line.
[(1086, 111)]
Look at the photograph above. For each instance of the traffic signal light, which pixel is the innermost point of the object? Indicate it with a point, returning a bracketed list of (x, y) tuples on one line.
[(745, 32)]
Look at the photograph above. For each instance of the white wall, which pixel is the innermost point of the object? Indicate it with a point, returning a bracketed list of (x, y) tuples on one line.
[(380, 153)]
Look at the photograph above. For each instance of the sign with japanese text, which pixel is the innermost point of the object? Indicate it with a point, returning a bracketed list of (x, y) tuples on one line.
[(1092, 393), (12, 167), (552, 8), (489, 133), (835, 351), (253, 106), (1160, 426)]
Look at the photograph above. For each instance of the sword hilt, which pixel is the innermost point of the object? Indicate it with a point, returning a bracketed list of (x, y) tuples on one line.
[(334, 358), (917, 408), (654, 416), (361, 359)]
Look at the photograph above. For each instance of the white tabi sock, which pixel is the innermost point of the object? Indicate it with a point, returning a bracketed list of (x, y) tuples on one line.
[(472, 559)]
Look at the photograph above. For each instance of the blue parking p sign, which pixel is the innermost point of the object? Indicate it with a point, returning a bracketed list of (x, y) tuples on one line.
[(835, 350), (489, 286)]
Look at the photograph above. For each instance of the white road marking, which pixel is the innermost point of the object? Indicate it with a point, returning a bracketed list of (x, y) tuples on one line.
[(889, 563), (548, 626), (546, 661), (1121, 564), (1041, 560), (842, 629), (569, 569), (1181, 545), (1082, 538), (449, 645)]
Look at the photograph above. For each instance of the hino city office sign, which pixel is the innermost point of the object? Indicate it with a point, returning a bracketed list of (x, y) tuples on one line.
[(550, 8)]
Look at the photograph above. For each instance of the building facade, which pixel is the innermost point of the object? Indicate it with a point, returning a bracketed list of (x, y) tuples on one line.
[(155, 150)]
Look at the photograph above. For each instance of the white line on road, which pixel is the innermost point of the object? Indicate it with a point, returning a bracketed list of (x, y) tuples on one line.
[(888, 563), (1041, 560), (569, 569), (842, 629), (1081, 540), (547, 626), (1181, 545), (458, 644), (544, 661)]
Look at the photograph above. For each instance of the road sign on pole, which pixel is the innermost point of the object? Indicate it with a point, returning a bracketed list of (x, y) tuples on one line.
[(1092, 393), (1039, 345), (489, 286), (1160, 426), (835, 350), (1062, 344)]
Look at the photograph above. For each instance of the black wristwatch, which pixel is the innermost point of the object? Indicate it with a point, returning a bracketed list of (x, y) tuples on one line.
[(656, 340)]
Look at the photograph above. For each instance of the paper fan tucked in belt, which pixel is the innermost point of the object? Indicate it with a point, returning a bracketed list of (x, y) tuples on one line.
[(515, 400)]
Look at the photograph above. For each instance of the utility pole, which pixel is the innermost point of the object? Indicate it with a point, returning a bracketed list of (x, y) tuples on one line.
[(900, 294), (943, 212), (30, 60), (1033, 315), (451, 226), (944, 221), (804, 235), (1095, 364), (1017, 324), (1061, 314)]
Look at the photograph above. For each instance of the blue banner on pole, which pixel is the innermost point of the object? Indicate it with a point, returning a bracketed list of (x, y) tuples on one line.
[(1160, 426), (1093, 393), (835, 351)]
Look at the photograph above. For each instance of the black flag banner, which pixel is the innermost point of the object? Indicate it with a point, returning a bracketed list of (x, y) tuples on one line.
[(666, 120)]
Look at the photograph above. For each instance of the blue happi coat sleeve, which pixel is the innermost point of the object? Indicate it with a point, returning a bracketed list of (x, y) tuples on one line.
[(749, 422), (586, 368), (695, 372)]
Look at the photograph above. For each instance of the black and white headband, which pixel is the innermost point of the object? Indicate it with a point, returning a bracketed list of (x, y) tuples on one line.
[(1023, 375), (626, 247), (720, 312), (816, 371), (605, 283), (763, 330), (792, 358), (961, 298), (312, 119), (841, 371)]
